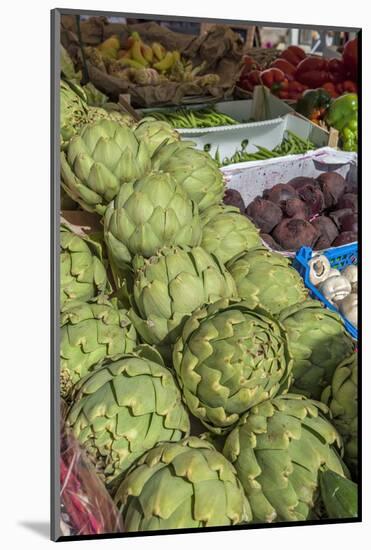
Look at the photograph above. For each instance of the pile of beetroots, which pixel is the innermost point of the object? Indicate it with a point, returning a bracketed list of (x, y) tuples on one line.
[(317, 212), (294, 72)]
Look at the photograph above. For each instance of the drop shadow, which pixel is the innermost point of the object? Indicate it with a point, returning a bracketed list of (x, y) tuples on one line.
[(41, 528)]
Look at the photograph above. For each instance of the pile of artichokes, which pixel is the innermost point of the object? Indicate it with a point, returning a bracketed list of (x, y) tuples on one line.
[(175, 316)]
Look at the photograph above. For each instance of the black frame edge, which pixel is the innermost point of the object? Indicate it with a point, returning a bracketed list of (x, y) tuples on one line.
[(54, 278)]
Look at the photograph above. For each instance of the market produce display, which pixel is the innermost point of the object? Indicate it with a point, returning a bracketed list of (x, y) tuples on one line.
[(190, 351), (316, 212)]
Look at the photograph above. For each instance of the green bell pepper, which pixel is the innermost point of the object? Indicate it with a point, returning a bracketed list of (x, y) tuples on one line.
[(312, 100), (343, 115)]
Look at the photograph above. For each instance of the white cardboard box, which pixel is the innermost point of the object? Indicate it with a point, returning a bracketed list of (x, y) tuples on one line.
[(252, 178), (272, 118)]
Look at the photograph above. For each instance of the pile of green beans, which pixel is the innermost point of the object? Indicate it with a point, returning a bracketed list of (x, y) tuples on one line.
[(290, 145), (192, 118)]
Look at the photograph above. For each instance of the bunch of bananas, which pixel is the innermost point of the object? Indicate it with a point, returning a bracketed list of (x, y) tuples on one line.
[(137, 54), (144, 65)]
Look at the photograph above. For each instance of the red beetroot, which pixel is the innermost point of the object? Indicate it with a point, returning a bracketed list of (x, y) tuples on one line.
[(349, 200), (313, 198), (296, 208), (327, 231), (345, 238), (293, 233), (280, 193), (338, 215), (265, 214), (349, 223), (333, 188), (233, 197), (300, 181)]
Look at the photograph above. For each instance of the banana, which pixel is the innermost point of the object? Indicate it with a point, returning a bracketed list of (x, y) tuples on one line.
[(112, 43), (109, 53), (176, 55), (122, 53), (159, 51), (166, 62), (147, 52), (126, 62), (136, 54)]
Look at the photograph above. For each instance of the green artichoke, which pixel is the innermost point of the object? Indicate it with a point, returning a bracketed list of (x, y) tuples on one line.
[(170, 286), (89, 334), (147, 215), (195, 170), (338, 494), (227, 233), (94, 97), (82, 273), (228, 359), (67, 66), (182, 485), (155, 132), (103, 156), (318, 342), (268, 279), (278, 450), (342, 398), (73, 113), (123, 409), (96, 114)]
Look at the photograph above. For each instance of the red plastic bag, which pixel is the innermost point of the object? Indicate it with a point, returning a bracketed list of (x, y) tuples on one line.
[(87, 508)]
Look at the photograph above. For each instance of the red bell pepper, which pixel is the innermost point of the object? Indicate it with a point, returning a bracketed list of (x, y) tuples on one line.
[(273, 78), (296, 89), (249, 64), (330, 88), (348, 86), (313, 71), (350, 57), (337, 70), (293, 54), (251, 80), (285, 66)]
